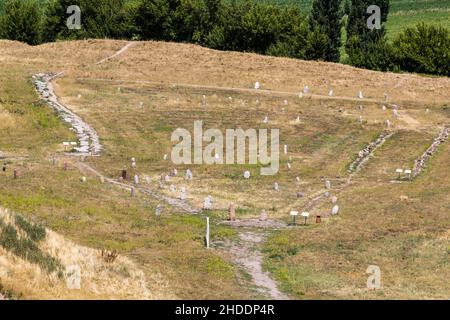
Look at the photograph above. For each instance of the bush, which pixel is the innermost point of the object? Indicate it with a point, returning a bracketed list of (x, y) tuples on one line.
[(424, 49), (34, 232), (21, 21)]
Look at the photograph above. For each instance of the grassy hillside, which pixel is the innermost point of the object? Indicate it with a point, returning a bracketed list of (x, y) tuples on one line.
[(399, 225)]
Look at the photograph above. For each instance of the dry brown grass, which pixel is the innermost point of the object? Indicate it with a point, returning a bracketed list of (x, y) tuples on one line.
[(120, 279), (408, 239)]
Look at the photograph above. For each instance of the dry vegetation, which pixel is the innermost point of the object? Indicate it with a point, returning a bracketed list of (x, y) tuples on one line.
[(407, 238)]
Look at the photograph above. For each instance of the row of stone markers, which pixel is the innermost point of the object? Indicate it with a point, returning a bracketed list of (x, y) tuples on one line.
[(365, 154), (421, 163), (89, 142)]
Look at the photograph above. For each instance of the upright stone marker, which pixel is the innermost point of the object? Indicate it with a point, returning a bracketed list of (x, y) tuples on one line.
[(232, 212)]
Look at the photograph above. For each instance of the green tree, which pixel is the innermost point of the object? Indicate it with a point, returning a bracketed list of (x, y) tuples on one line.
[(366, 47), (325, 19), (424, 49), (21, 21), (155, 19), (99, 19)]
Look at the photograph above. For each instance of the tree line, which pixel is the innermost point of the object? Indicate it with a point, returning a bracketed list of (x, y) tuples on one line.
[(334, 30)]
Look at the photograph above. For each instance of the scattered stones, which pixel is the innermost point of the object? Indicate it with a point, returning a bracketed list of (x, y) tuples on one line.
[(421, 163)]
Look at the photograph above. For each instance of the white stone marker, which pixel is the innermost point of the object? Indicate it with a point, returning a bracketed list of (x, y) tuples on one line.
[(188, 175), (396, 115), (165, 157), (158, 210), (172, 188), (306, 90), (247, 174), (328, 184), (207, 203), (330, 93), (136, 179), (276, 187), (257, 85), (399, 171), (266, 119), (289, 166), (285, 149), (383, 108), (183, 193), (133, 162), (334, 200), (335, 210), (360, 95), (83, 179), (147, 179)]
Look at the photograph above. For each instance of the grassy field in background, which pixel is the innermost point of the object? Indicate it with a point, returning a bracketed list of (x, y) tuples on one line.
[(403, 13)]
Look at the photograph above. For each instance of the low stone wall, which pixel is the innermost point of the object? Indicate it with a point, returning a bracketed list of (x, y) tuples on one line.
[(421, 163), (365, 153), (88, 140)]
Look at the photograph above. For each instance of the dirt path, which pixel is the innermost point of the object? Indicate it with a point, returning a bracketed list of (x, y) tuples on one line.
[(118, 53), (246, 253)]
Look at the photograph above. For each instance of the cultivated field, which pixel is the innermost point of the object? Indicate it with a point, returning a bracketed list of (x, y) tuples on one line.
[(403, 13), (136, 99)]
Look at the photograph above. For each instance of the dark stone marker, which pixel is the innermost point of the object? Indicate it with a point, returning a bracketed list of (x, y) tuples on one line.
[(124, 174)]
